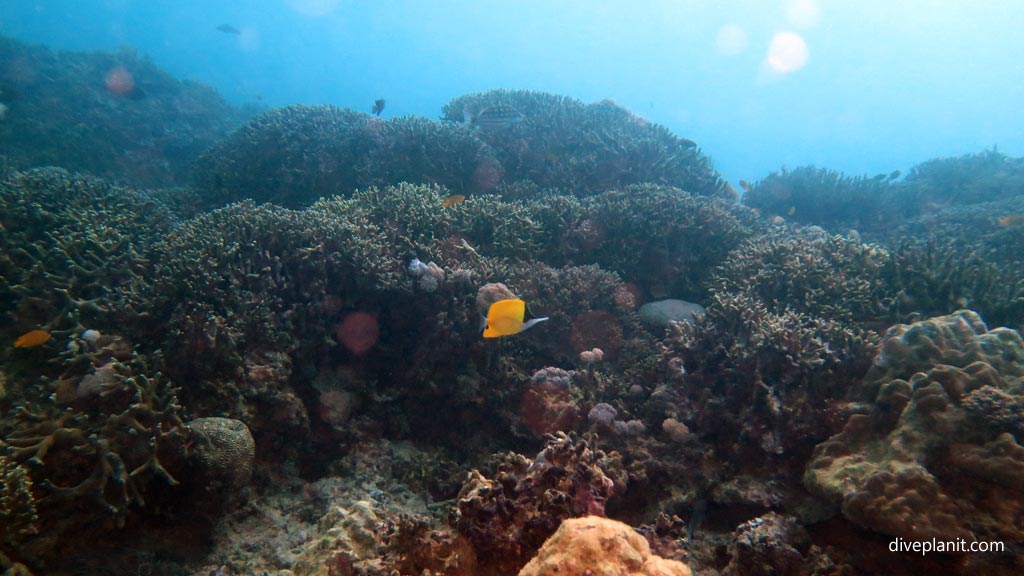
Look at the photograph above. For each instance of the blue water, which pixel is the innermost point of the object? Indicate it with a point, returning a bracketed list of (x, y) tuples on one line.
[(886, 85)]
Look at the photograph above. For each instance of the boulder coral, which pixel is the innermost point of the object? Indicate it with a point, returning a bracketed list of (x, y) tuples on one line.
[(928, 453), (596, 546)]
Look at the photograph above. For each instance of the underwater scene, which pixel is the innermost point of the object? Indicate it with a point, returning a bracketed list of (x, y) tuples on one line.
[(366, 321)]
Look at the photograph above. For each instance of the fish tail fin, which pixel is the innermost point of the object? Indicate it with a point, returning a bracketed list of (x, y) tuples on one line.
[(531, 323)]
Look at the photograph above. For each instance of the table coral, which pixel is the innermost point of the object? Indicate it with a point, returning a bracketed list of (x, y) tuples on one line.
[(595, 546), (930, 409)]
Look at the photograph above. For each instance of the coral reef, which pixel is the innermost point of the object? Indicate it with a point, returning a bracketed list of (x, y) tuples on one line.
[(238, 289), (938, 276), (142, 126), (810, 272), (775, 544), (662, 239), (969, 179), (558, 142), (294, 155), (282, 370), (71, 246), (599, 547), (926, 454), (809, 195), (506, 518), (769, 378), (107, 444)]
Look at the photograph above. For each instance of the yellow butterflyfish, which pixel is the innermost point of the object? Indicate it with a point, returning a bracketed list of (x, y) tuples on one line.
[(32, 338), (505, 318)]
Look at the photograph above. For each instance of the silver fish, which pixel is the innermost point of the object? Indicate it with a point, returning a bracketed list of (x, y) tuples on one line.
[(496, 117)]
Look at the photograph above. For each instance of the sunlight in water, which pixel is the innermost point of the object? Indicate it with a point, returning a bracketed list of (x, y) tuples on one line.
[(313, 7), (731, 40), (787, 52), (803, 13)]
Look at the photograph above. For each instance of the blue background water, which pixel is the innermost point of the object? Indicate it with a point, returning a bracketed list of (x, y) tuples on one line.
[(886, 84)]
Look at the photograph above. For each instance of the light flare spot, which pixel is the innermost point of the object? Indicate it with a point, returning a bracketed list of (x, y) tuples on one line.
[(119, 80), (358, 332), (787, 52)]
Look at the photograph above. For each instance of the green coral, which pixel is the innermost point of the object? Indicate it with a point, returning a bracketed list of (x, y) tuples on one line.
[(969, 179), (416, 222)]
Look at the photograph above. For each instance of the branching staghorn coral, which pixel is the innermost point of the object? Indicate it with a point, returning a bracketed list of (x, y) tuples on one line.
[(72, 244), (294, 155), (558, 142)]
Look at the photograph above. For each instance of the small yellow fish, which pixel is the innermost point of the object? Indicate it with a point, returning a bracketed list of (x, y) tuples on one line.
[(505, 318), (791, 211), (1012, 220), (453, 200), (32, 339), (745, 185)]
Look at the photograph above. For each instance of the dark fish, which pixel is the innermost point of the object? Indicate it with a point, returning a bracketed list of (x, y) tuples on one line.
[(229, 29), (492, 118), (378, 106), (700, 509), (894, 175)]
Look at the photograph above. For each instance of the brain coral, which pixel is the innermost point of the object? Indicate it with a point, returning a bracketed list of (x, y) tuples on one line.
[(929, 411), (224, 449), (594, 546)]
